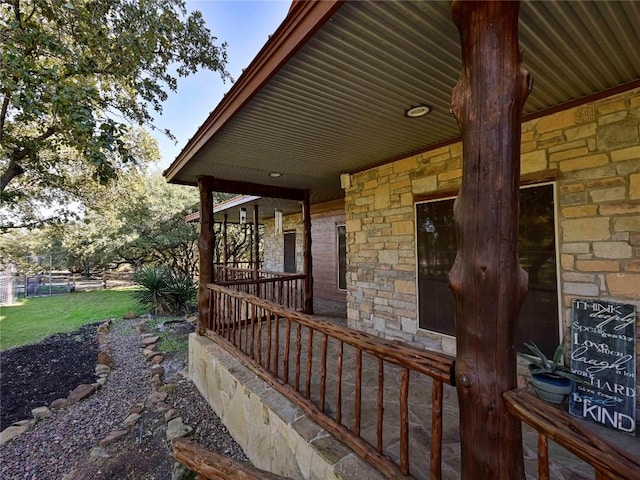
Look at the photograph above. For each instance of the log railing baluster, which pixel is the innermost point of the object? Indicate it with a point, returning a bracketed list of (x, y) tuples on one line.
[(358, 393), (254, 315), (276, 345), (323, 371), (543, 457), (435, 462), (339, 382), (298, 355), (380, 408), (404, 422), (261, 314), (267, 362), (213, 317), (309, 362), (234, 320), (287, 346)]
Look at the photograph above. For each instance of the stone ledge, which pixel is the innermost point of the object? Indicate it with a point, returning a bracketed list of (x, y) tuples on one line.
[(274, 433)]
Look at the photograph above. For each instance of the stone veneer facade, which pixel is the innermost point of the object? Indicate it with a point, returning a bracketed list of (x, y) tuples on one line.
[(276, 435), (274, 243), (595, 152)]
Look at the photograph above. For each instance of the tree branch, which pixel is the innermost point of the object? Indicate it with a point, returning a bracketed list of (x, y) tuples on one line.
[(3, 116), (13, 170)]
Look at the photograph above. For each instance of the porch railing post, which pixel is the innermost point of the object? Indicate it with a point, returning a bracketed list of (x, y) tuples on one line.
[(307, 260), (205, 249), (256, 242), (487, 281), (225, 253)]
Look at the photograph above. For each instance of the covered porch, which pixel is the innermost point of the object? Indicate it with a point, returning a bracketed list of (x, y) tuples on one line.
[(353, 101), (308, 397)]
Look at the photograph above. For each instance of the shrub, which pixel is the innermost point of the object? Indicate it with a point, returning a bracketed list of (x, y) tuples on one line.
[(164, 293), (183, 292)]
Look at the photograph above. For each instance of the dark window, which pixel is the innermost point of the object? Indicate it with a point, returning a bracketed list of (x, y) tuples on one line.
[(342, 257), (290, 252), (436, 245)]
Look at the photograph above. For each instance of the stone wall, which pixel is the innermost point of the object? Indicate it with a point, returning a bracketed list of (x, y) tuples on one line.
[(594, 151), (274, 243), (275, 434)]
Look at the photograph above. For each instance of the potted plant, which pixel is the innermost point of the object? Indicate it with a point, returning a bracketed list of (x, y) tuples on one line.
[(551, 381)]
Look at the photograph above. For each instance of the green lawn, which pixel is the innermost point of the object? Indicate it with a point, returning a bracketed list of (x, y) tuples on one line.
[(33, 319)]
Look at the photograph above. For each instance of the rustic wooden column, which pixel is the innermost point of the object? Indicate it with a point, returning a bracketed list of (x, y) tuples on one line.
[(225, 254), (256, 241), (205, 249), (487, 281), (306, 254)]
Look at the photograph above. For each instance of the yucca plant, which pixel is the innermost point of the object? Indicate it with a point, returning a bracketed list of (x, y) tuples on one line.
[(164, 293), (154, 289), (183, 292), (540, 364)]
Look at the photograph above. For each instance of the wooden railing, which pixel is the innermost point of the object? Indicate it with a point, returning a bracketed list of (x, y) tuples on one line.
[(292, 352), (286, 289), (552, 423), (233, 271)]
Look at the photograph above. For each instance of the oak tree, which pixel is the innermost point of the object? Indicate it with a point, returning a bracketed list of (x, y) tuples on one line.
[(74, 76)]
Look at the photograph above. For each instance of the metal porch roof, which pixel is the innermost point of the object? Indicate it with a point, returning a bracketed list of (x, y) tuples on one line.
[(336, 101)]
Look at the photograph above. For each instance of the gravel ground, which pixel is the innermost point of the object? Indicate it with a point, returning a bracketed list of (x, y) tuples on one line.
[(66, 444)]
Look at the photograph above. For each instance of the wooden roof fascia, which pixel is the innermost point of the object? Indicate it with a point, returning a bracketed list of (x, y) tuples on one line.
[(302, 21), (256, 189)]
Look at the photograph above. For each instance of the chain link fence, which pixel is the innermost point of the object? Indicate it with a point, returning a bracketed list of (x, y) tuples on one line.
[(14, 286)]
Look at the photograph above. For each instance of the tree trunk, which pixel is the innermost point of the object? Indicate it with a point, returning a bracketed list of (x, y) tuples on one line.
[(487, 281), (205, 249)]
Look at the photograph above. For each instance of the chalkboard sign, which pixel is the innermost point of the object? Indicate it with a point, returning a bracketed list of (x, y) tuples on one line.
[(603, 353)]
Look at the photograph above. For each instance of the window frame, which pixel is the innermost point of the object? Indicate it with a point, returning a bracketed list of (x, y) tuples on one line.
[(343, 225), (448, 195)]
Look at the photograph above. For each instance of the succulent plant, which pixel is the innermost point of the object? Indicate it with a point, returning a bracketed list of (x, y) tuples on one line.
[(540, 364)]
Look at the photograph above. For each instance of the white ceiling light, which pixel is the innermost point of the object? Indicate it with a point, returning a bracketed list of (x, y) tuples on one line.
[(417, 111)]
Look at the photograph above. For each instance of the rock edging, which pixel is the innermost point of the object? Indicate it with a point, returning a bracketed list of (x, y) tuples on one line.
[(174, 424), (104, 364)]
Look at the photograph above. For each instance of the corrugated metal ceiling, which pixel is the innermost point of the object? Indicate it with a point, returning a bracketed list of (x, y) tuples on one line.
[(338, 104)]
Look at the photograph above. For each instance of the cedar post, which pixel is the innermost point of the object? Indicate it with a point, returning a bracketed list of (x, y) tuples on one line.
[(307, 261), (256, 242), (487, 281), (225, 259), (205, 249)]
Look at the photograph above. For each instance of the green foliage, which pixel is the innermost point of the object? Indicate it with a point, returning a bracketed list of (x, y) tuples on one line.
[(154, 230), (33, 319), (163, 292), (153, 293), (75, 75), (542, 364), (183, 292), (173, 341), (136, 220)]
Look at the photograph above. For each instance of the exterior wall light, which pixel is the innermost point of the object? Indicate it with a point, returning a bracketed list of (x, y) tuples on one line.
[(418, 111), (243, 216)]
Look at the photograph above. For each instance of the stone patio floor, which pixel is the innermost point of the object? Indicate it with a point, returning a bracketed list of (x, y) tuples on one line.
[(563, 465)]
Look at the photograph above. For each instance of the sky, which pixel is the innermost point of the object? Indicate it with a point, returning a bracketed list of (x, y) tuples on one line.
[(245, 26)]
